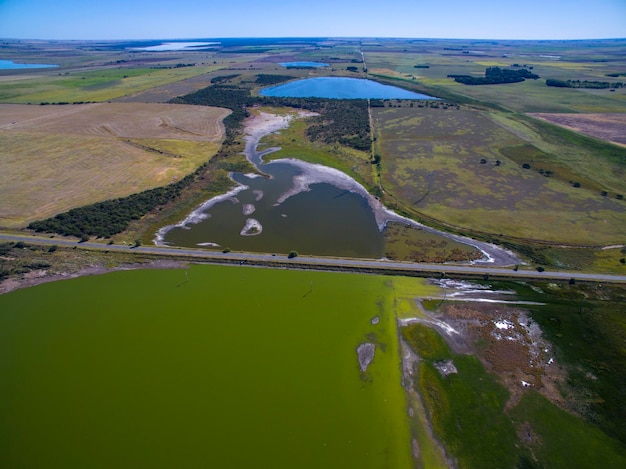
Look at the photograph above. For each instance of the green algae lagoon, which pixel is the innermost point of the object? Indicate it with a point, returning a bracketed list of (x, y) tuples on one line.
[(209, 366)]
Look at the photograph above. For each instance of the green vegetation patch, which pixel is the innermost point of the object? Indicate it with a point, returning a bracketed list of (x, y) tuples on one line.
[(207, 366), (465, 409), (426, 342), (587, 325), (560, 440), (578, 61), (93, 86), (469, 409), (403, 242)]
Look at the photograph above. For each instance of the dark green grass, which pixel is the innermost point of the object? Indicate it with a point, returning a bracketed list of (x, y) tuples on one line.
[(560, 440), (466, 410), (426, 342)]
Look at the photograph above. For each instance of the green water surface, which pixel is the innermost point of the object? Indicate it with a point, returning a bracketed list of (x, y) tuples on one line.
[(205, 367)]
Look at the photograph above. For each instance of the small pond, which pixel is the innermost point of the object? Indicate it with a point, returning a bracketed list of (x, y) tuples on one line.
[(10, 65), (340, 88)]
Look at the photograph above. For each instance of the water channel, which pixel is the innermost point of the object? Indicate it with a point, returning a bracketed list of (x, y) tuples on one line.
[(10, 65)]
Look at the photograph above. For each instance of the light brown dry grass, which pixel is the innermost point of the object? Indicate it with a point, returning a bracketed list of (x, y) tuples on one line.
[(54, 158), (130, 120), (608, 127)]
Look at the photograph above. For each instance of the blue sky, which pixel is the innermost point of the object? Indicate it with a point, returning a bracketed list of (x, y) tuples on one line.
[(172, 19)]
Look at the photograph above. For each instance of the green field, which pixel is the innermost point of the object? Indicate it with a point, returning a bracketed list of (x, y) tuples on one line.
[(208, 366), (465, 168), (93, 85), (581, 60)]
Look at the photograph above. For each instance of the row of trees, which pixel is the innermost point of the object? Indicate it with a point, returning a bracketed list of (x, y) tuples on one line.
[(597, 85), (496, 76), (104, 219)]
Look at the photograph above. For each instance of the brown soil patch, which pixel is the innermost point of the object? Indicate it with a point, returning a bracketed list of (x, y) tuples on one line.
[(515, 351), (608, 127)]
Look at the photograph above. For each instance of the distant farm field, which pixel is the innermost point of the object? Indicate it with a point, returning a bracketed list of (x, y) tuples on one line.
[(462, 167), (92, 85), (431, 64), (609, 127), (54, 158)]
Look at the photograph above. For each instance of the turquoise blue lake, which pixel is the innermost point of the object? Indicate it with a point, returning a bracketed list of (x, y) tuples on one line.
[(340, 88), (303, 64), (10, 65)]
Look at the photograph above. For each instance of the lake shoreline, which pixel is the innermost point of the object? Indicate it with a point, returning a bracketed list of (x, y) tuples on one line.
[(39, 277)]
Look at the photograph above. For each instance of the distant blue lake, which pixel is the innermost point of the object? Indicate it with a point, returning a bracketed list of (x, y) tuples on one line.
[(303, 64), (10, 65), (175, 46), (340, 88)]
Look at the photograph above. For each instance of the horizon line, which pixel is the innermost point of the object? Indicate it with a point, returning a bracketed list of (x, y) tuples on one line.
[(311, 37)]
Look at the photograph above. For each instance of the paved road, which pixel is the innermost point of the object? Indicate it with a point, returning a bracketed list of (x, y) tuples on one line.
[(322, 263)]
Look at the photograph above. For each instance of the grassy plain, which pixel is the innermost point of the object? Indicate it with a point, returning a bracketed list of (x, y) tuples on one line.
[(403, 242), (54, 158), (221, 366), (93, 85), (584, 60), (460, 167)]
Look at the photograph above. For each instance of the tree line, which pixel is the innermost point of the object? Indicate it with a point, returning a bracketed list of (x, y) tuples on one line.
[(596, 85), (496, 76), (105, 219)]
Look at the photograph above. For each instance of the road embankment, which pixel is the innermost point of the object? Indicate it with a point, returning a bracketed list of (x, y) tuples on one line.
[(365, 266)]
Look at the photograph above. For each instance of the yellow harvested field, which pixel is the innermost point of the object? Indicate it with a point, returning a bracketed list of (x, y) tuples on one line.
[(608, 127), (54, 158)]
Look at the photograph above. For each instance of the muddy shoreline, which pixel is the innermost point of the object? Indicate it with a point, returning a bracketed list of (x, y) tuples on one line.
[(38, 277)]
